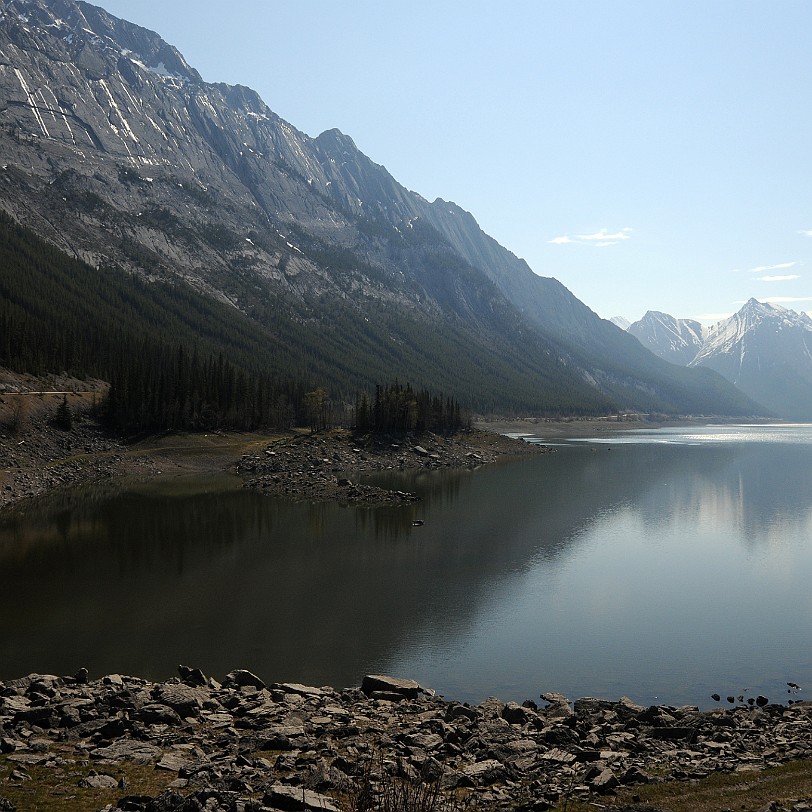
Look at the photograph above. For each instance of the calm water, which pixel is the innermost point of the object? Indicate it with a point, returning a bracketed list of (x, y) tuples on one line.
[(662, 565)]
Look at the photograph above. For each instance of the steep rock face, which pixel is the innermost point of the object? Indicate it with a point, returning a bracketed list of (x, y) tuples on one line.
[(114, 149), (675, 340), (766, 350), (609, 357)]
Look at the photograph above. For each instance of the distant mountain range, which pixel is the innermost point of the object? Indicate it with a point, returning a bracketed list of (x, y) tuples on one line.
[(765, 349), (114, 150)]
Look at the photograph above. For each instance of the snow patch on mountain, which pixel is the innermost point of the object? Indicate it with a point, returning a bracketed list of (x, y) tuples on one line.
[(675, 340), (764, 349)]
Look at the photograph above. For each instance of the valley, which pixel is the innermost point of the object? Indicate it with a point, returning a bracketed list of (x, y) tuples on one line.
[(262, 407)]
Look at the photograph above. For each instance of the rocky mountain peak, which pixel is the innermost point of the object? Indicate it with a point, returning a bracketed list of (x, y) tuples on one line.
[(675, 340), (115, 150), (137, 43), (95, 39)]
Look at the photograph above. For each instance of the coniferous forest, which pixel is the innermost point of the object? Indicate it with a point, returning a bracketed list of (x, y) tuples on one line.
[(175, 359)]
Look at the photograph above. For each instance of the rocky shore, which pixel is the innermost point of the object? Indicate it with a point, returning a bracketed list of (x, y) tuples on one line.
[(37, 456), (41, 458), (243, 746), (326, 466)]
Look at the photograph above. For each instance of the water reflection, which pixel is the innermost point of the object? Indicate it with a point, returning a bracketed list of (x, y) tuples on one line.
[(591, 570)]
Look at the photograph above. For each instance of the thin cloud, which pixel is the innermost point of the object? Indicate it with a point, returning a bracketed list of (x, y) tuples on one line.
[(600, 239), (807, 232), (787, 278), (780, 267), (603, 235)]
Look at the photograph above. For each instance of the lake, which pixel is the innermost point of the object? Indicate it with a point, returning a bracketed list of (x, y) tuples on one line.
[(662, 565)]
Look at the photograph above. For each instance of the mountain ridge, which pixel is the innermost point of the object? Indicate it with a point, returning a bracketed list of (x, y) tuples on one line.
[(675, 340), (117, 151)]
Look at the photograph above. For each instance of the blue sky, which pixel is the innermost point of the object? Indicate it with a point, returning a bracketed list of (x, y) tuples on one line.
[(649, 154)]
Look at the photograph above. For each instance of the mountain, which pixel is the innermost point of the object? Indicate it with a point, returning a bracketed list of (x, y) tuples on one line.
[(675, 340), (117, 152), (621, 321), (766, 350)]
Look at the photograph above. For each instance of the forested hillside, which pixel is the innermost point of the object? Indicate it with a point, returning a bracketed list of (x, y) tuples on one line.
[(211, 225), (176, 358)]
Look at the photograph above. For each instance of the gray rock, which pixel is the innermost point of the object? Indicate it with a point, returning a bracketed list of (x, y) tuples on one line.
[(98, 781), (241, 679), (157, 714), (172, 762), (297, 799), (484, 772), (183, 699), (604, 782), (377, 682), (515, 714), (128, 750), (301, 690), (192, 676)]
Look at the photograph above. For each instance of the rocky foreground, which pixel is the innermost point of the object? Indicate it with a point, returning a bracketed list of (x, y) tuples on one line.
[(244, 746)]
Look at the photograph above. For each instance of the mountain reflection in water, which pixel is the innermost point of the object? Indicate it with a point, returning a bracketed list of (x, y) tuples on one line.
[(663, 571)]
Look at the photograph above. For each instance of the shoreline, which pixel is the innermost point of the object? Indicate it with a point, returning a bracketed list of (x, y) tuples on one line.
[(124, 743), (40, 458), (549, 429)]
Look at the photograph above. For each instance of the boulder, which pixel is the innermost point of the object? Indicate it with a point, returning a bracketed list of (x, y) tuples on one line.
[(183, 699), (157, 714), (297, 799), (484, 772), (128, 750), (516, 714), (98, 781), (407, 688), (192, 676), (604, 782), (241, 679)]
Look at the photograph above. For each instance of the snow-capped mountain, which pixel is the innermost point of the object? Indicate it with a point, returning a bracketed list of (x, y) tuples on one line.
[(764, 349), (675, 340), (621, 321)]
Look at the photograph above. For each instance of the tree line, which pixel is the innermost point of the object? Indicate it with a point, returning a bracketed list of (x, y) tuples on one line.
[(174, 359), (395, 407), (178, 359)]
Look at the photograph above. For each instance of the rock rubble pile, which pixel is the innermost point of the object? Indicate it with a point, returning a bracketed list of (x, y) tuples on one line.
[(244, 746), (41, 458), (326, 466)]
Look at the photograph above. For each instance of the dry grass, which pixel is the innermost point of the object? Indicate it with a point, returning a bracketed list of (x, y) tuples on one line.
[(56, 789), (743, 792)]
